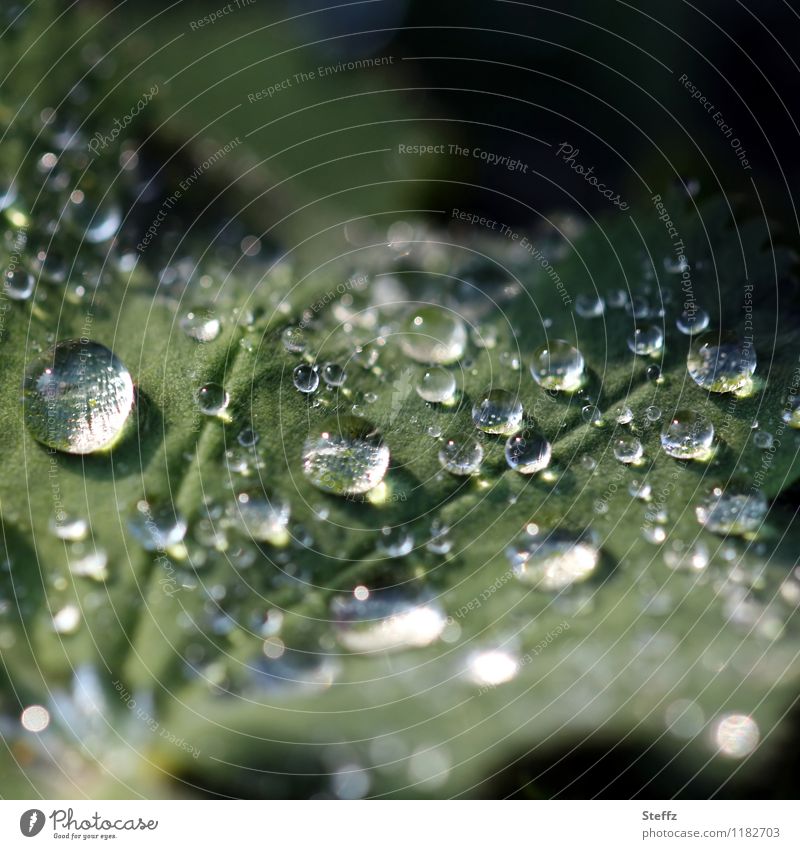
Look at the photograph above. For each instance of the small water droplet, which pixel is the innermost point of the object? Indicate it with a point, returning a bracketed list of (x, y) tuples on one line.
[(77, 397), (646, 341), (653, 413), (623, 414), (433, 335), (212, 399), (497, 411), (592, 415), (345, 455), (157, 527), (692, 321), (247, 437), (437, 385), (305, 378), (461, 456), (492, 667), (67, 620), (628, 449), (640, 489), (201, 324), (263, 517), (396, 542), (294, 340), (763, 439), (69, 527), (19, 284), (589, 306), (333, 374)]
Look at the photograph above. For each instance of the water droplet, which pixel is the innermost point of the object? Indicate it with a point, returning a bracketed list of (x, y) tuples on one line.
[(201, 324), (212, 399), (386, 621), (247, 437), (692, 321), (653, 372), (345, 455), (497, 411), (589, 306), (640, 489), (264, 517), (396, 542), (687, 435), (19, 284), (623, 414), (68, 527), (553, 560), (791, 412), (528, 452), (93, 564), (732, 512), (721, 362), (294, 340), (763, 439), (437, 385), (77, 397), (592, 415), (461, 456), (305, 378), (628, 449), (333, 374), (439, 542), (35, 718), (653, 413), (736, 735), (67, 620), (559, 366), (433, 335), (157, 527), (492, 667), (646, 340)]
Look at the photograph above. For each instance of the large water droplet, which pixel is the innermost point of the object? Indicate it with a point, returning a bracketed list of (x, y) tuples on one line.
[(77, 397), (721, 362), (212, 399), (433, 335), (305, 378), (497, 411), (732, 511), (461, 456), (687, 435), (528, 452), (437, 385), (345, 455), (386, 621), (628, 449), (736, 735), (559, 366), (553, 560)]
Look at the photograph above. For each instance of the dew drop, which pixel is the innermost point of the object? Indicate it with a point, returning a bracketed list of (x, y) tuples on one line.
[(201, 324), (558, 366), (763, 439), (589, 306), (294, 340), (646, 341), (732, 511), (553, 560), (461, 457), (157, 527), (628, 449), (623, 414), (433, 335), (497, 411), (345, 455), (653, 413), (77, 397), (19, 284), (212, 399), (492, 667), (386, 621), (687, 435), (263, 517), (721, 362), (592, 415), (68, 527), (692, 321), (333, 374), (791, 412), (736, 735), (528, 452), (305, 378), (67, 620), (396, 542), (437, 385)]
